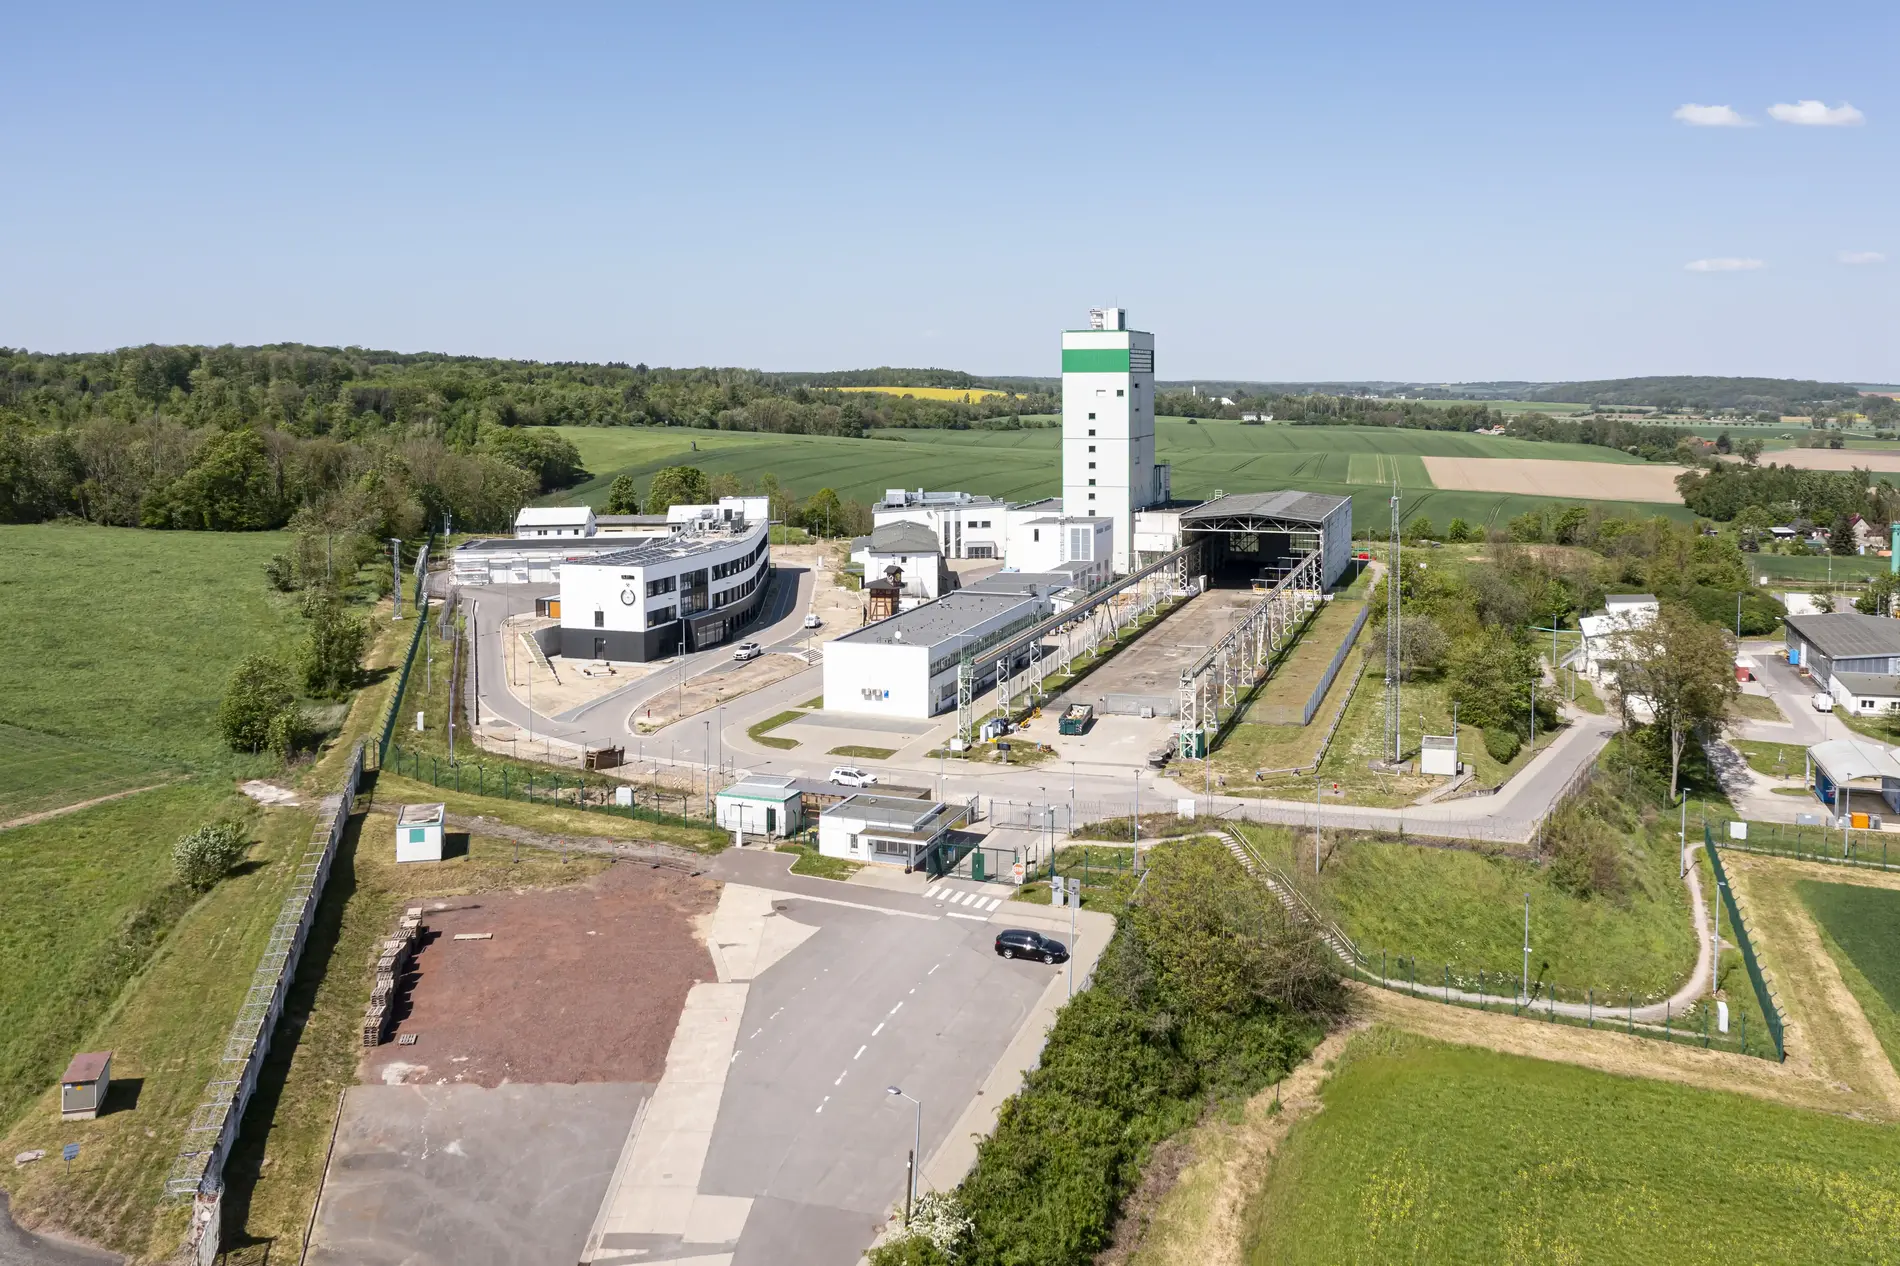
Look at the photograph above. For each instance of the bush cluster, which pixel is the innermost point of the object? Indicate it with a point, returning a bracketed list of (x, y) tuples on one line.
[(207, 855)]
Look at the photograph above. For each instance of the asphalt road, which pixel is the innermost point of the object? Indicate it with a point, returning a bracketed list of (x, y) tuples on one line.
[(806, 1127), (22, 1248)]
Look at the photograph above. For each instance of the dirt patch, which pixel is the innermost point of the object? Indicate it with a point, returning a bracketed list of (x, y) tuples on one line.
[(1190, 1208), (709, 690), (47, 816), (1543, 477), (578, 984), (1834, 459)]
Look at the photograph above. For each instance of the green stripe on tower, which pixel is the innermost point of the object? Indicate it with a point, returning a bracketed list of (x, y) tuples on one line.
[(1094, 360)]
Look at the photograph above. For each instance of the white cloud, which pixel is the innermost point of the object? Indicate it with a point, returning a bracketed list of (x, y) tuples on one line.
[(1711, 116), (1724, 264), (1862, 257), (1817, 114)]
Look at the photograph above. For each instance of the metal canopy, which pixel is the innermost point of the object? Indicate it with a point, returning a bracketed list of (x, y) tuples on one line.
[(1253, 511)]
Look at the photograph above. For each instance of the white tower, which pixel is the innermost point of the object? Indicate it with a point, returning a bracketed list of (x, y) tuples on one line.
[(1108, 426)]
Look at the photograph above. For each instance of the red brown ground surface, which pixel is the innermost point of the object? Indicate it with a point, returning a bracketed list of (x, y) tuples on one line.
[(579, 984)]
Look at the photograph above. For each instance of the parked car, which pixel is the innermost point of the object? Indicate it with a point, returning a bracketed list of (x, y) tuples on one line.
[(1824, 702), (1022, 943), (812, 621), (852, 776), (748, 650)]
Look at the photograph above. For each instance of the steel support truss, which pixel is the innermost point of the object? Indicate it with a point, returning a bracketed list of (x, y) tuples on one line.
[(1213, 687)]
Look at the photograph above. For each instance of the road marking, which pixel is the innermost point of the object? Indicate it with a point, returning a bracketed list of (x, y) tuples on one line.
[(893, 1010), (755, 1033), (970, 900), (933, 970), (941, 893), (879, 1029), (980, 918), (856, 905), (823, 1102), (840, 1080), (862, 1049)]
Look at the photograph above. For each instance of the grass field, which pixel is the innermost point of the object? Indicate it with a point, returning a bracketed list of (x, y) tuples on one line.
[(119, 645), (1816, 569), (1860, 926), (103, 951), (1427, 1152), (1464, 910), (1776, 760), (1207, 457)]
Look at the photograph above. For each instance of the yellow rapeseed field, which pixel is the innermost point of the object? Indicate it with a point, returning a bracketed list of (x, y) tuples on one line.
[(963, 395)]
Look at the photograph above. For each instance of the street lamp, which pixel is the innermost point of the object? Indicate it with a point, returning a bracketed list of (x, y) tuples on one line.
[(917, 1145)]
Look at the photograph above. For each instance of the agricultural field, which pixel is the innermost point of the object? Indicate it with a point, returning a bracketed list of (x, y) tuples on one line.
[(1463, 910), (1207, 457), (1860, 926), (119, 644), (1433, 1152), (1582, 481), (957, 395)]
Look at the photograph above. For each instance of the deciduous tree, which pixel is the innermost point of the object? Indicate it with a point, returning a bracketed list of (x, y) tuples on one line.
[(1682, 670)]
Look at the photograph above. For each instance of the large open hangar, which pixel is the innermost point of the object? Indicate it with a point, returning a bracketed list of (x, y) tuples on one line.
[(1249, 536)]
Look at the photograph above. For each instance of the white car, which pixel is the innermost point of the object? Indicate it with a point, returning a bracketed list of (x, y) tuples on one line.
[(812, 621), (852, 776), (748, 650)]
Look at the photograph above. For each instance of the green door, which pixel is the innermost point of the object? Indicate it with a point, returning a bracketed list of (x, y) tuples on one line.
[(771, 819), (976, 864)]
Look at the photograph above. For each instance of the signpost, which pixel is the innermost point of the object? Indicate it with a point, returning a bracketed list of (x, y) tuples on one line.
[(71, 1153)]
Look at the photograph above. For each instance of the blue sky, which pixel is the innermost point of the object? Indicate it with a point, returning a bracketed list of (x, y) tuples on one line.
[(1279, 191)]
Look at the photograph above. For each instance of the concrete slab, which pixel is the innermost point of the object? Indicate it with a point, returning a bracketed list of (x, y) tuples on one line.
[(831, 722), (462, 1175), (1152, 664)]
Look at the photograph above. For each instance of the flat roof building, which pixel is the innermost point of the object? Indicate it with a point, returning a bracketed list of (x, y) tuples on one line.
[(646, 601), (891, 829), (1843, 641), (906, 666)]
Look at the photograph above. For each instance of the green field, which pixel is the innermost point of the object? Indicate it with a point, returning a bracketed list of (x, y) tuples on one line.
[(119, 642), (1860, 926), (1207, 457), (1464, 910), (1433, 1153), (1816, 569)]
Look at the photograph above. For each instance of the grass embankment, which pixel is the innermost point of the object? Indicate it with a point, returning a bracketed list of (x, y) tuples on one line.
[(1775, 760), (1297, 670), (1430, 1152), (863, 752), (1860, 926), (132, 700), (1464, 910), (1755, 708), (761, 732), (816, 864), (552, 819), (276, 1168), (104, 951)]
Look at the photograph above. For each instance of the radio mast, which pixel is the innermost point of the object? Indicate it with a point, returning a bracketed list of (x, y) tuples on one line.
[(1393, 662)]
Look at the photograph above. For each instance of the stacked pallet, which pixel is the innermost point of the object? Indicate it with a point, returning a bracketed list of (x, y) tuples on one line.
[(392, 959)]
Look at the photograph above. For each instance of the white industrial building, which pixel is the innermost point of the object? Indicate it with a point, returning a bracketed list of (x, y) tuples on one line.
[(965, 525), (684, 591), (546, 537), (891, 829), (535, 522), (761, 806), (1108, 426), (1041, 541), (912, 549), (906, 666)]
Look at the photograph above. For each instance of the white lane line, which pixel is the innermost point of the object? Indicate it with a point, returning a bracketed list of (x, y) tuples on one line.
[(994, 902), (879, 1029), (822, 1103), (893, 1010), (861, 1050), (840, 1080), (969, 899), (913, 988), (933, 970), (980, 918), (755, 1033)]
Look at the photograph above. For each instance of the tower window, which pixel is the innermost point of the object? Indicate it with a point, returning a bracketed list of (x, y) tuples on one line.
[(1118, 391), (1091, 495), (1091, 465), (1091, 448), (1091, 418), (1091, 429), (1091, 484)]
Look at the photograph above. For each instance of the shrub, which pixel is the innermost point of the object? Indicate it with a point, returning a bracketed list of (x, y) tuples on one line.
[(207, 855), (939, 1229), (285, 733), (259, 689), (334, 651), (1502, 744)]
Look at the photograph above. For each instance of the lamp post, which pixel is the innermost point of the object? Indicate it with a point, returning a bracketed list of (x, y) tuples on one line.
[(917, 1145)]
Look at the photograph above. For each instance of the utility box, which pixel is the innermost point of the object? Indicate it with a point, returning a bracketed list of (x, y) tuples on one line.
[(1438, 756), (419, 833), (82, 1090)]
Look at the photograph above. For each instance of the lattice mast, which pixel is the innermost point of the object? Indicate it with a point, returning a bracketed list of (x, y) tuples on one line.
[(1393, 743)]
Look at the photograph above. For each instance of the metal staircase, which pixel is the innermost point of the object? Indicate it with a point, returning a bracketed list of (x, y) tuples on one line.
[(1293, 900)]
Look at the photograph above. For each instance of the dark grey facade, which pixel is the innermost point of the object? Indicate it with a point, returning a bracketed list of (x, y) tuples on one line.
[(704, 629)]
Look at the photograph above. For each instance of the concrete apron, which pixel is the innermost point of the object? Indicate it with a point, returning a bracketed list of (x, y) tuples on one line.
[(654, 1206)]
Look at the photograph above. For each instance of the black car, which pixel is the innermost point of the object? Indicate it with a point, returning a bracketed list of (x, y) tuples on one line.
[(1022, 943)]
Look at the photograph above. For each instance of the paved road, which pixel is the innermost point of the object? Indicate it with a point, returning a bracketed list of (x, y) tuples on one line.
[(22, 1248)]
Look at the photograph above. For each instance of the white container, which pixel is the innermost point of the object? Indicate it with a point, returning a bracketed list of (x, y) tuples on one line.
[(419, 833)]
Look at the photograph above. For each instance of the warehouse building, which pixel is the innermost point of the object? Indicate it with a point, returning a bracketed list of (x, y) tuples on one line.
[(546, 537), (681, 592), (906, 666), (965, 525), (1254, 535), (1843, 642)]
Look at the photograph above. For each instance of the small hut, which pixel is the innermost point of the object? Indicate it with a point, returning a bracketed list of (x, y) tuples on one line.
[(419, 833), (82, 1090)]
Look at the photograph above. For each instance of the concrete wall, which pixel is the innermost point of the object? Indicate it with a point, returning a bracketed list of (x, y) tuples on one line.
[(878, 679)]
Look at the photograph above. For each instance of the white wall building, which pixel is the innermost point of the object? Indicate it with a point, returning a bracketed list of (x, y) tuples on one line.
[(889, 829), (965, 525), (688, 590), (761, 806), (1044, 542), (906, 666), (1108, 426), (909, 547), (535, 522), (1605, 634)]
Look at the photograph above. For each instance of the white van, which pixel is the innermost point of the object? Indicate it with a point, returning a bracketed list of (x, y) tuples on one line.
[(1823, 702)]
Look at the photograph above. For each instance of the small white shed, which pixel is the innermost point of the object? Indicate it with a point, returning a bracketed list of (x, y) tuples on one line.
[(1438, 755), (419, 833), (82, 1090), (761, 806)]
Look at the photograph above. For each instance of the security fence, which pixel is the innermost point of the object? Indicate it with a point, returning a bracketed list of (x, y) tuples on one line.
[(1840, 846), (1770, 1008), (539, 784)]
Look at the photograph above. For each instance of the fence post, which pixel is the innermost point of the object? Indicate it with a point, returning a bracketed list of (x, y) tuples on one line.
[(1592, 1022), (1447, 984)]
